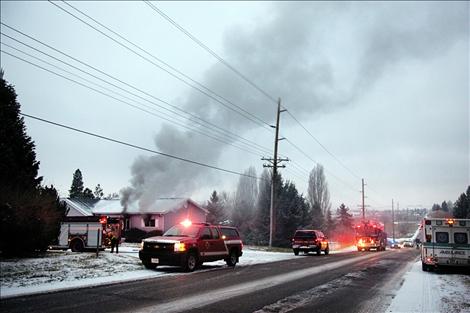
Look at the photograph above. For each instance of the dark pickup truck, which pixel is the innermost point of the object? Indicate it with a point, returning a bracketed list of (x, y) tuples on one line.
[(190, 244)]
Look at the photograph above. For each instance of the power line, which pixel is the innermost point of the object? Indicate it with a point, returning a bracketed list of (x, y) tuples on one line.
[(253, 118), (245, 78), (315, 162), (321, 145), (207, 49), (139, 147), (201, 44), (231, 134), (122, 101)]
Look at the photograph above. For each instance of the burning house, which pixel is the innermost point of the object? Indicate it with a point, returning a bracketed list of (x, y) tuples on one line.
[(160, 215)]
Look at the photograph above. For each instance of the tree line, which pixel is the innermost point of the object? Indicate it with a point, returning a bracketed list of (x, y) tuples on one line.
[(30, 213), (248, 208), (78, 191), (459, 209)]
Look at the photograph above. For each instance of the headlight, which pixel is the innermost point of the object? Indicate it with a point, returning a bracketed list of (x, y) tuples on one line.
[(141, 245), (180, 247)]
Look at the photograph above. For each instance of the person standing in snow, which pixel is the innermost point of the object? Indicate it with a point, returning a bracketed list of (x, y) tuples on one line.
[(114, 241)]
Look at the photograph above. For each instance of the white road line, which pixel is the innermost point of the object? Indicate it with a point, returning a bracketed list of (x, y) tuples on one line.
[(213, 296)]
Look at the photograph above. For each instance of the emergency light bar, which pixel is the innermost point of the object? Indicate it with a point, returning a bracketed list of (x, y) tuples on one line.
[(186, 223)]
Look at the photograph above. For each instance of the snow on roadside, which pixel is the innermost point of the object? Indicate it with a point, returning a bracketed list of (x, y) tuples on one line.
[(59, 270), (432, 292)]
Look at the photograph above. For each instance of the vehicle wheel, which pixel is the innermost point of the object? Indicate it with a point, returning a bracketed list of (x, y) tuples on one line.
[(191, 262), (76, 245), (150, 266), (232, 258), (318, 251), (327, 250), (424, 266), (296, 252)]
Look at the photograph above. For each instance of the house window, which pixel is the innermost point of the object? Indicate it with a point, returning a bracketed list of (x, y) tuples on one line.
[(149, 222)]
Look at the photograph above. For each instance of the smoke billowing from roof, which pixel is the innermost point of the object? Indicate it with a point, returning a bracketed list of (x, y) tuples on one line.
[(318, 57)]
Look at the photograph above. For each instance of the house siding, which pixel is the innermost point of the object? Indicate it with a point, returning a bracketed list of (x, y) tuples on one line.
[(191, 212), (137, 221), (163, 220)]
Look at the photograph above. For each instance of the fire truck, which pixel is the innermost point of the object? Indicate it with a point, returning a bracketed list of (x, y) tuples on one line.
[(445, 242), (370, 235), (80, 234)]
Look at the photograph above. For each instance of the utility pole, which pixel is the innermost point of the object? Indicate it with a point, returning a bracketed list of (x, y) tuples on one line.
[(274, 165), (393, 223), (363, 204)]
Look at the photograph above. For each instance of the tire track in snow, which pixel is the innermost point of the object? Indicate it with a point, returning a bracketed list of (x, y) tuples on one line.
[(206, 298)]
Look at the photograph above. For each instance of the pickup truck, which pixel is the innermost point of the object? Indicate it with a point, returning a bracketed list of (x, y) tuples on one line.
[(188, 245)]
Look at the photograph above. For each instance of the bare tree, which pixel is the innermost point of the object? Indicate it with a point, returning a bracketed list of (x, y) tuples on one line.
[(245, 201), (318, 195)]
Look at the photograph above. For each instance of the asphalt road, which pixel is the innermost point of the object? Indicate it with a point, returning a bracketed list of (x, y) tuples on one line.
[(345, 282)]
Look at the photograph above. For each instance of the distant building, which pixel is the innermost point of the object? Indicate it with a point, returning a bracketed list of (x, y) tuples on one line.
[(160, 215)]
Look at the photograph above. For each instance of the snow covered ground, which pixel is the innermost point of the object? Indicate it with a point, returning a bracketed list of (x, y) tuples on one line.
[(431, 292), (59, 270)]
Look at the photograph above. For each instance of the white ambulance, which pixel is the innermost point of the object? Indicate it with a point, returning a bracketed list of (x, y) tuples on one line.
[(445, 242)]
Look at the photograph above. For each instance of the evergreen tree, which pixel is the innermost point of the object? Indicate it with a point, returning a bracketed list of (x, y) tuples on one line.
[(344, 231), (76, 190), (30, 214), (444, 206), (261, 220), (461, 207), (18, 165), (436, 207), (329, 223), (344, 218), (216, 209), (291, 209), (87, 194), (98, 193)]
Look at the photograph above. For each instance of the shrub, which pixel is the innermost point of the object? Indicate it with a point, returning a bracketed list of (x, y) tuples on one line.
[(136, 235)]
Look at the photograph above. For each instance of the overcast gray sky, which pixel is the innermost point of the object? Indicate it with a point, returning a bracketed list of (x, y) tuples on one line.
[(383, 86)]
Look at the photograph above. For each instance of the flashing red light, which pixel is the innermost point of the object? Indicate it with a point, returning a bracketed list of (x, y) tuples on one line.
[(103, 220), (186, 223), (450, 221)]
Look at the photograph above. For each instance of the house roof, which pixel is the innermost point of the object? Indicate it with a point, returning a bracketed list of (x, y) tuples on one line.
[(78, 206), (114, 206)]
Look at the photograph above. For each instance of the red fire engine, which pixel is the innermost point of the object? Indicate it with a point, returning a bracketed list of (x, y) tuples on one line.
[(370, 235)]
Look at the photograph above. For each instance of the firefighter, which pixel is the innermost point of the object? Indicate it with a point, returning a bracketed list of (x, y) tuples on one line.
[(114, 240)]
